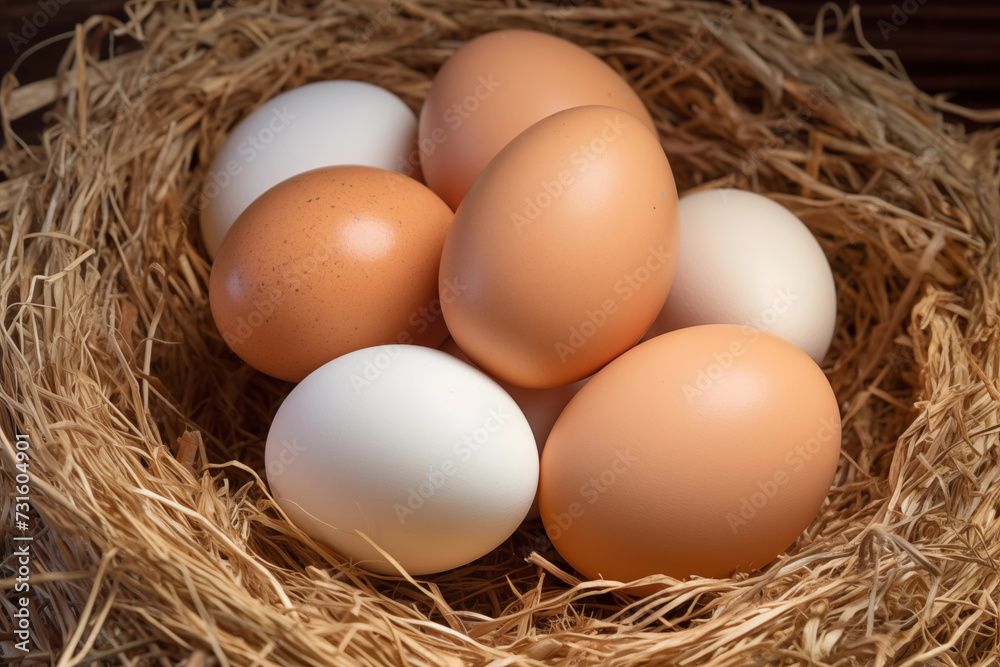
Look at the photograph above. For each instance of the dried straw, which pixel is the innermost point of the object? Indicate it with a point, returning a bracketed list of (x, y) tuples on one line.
[(155, 539)]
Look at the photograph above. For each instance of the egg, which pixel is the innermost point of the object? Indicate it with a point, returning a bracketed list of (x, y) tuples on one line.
[(746, 259), (562, 253), (316, 125), (415, 450), (704, 451), (495, 87), (541, 407), (327, 262)]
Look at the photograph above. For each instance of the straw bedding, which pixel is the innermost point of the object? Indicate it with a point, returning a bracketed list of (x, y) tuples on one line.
[(155, 539)]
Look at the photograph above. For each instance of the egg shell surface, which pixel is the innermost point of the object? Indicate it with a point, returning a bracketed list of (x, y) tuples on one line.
[(319, 124), (541, 407), (420, 452), (563, 252), (495, 87), (704, 451), (746, 259), (327, 262)]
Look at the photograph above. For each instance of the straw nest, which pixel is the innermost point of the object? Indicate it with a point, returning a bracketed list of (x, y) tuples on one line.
[(155, 538)]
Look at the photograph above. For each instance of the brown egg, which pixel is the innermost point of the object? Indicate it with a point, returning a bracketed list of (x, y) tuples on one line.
[(498, 85), (703, 451), (563, 252), (328, 262)]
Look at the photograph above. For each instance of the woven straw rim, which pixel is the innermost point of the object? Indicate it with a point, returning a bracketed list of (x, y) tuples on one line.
[(155, 539)]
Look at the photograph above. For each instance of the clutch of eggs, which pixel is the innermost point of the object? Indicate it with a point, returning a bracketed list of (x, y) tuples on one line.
[(640, 371)]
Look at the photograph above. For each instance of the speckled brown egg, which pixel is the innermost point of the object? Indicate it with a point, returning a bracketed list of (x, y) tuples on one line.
[(328, 262)]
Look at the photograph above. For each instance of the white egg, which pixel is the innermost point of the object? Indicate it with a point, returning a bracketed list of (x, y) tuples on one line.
[(541, 407), (745, 259), (316, 125), (423, 453)]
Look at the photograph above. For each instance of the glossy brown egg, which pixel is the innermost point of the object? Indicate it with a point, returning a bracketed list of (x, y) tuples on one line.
[(704, 451), (497, 86), (328, 262), (564, 250)]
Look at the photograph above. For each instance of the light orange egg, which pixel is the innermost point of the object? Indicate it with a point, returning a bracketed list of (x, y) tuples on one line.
[(498, 85), (327, 262), (563, 252), (703, 451)]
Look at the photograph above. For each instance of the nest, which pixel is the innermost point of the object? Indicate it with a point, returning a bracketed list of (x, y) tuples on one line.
[(155, 540)]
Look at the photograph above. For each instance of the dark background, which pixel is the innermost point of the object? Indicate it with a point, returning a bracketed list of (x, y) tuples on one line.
[(946, 46)]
